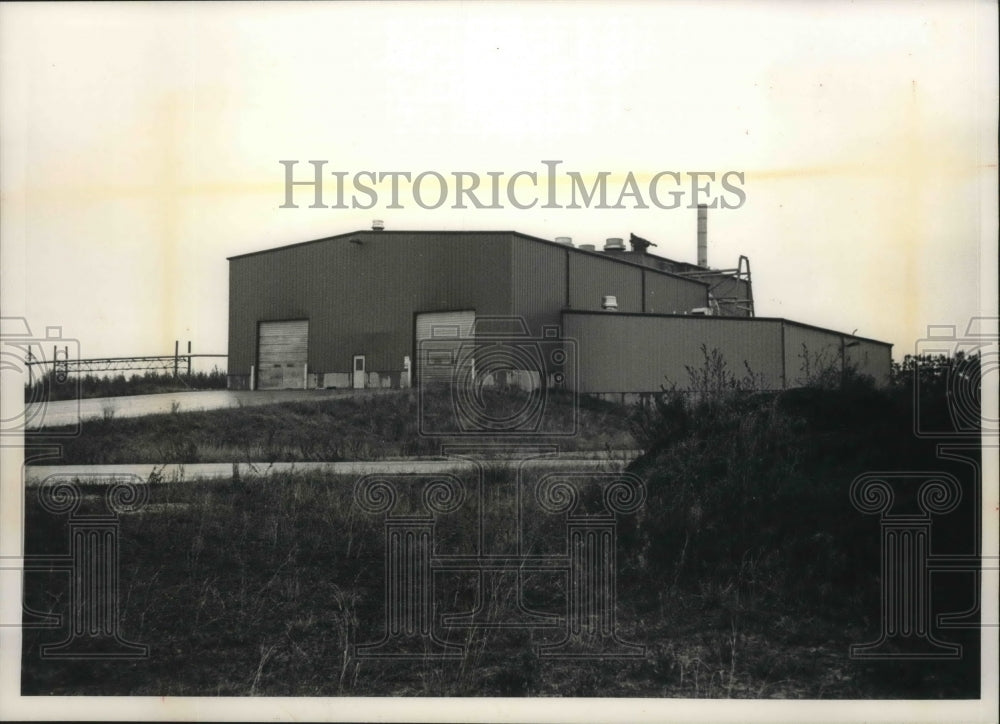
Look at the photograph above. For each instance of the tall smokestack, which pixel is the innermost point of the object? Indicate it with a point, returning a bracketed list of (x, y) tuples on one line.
[(703, 235)]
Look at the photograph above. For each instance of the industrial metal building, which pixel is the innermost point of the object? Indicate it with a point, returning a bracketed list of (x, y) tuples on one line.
[(380, 308)]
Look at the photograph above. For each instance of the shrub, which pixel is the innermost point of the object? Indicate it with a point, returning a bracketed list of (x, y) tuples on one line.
[(748, 490)]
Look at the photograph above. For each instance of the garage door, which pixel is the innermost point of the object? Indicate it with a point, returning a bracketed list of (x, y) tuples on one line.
[(440, 338), (281, 355)]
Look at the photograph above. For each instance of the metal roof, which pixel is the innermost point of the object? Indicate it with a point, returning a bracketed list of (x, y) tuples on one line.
[(701, 317), (371, 232)]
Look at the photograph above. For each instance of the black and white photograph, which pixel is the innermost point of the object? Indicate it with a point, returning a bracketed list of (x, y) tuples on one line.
[(499, 361)]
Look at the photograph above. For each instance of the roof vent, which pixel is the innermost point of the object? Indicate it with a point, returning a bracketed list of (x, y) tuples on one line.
[(587, 247), (378, 225), (703, 235), (567, 240), (609, 303), (614, 244)]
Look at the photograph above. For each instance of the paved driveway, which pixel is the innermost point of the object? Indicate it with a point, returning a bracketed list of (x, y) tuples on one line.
[(69, 412), (103, 474)]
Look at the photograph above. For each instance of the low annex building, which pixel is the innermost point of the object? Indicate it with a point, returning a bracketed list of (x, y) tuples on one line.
[(378, 308)]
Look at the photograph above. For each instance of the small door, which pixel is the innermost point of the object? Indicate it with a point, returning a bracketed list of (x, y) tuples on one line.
[(359, 371)]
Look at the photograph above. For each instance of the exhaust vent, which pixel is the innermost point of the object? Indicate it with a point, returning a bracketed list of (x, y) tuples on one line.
[(703, 235), (378, 225), (609, 303), (614, 244), (587, 247), (567, 240)]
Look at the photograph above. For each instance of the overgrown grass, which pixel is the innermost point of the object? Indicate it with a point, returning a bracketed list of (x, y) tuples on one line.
[(747, 573), (264, 586), (366, 427), (749, 507), (54, 387)]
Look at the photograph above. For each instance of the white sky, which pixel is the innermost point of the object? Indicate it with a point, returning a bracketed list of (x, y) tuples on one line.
[(140, 144)]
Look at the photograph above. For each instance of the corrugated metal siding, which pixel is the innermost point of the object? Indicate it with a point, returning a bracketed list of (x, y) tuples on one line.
[(670, 295), (240, 349), (871, 358), (809, 351), (361, 298), (538, 282), (636, 353), (538, 273), (591, 278)]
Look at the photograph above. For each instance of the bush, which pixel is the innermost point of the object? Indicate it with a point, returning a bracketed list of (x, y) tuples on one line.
[(748, 490)]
